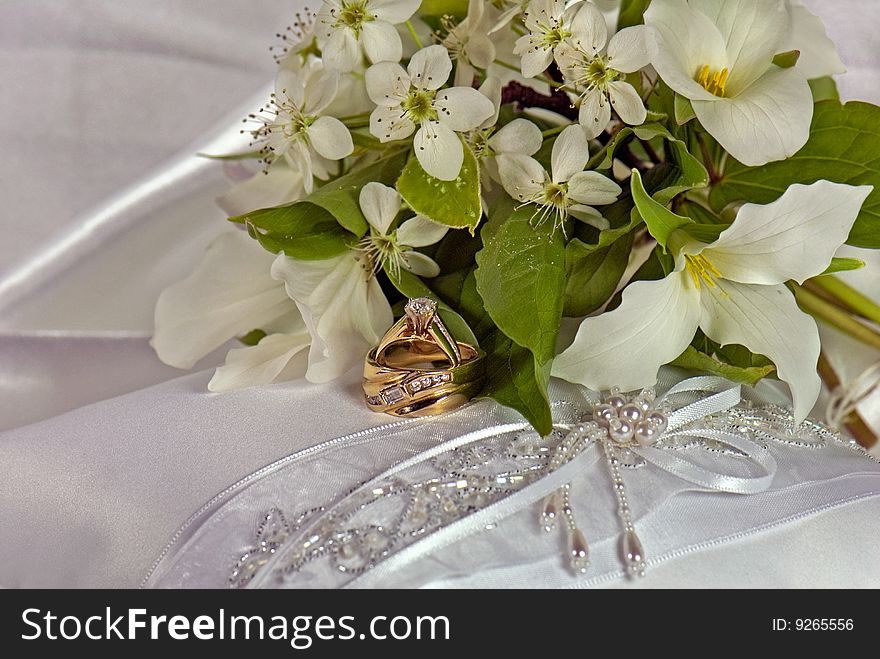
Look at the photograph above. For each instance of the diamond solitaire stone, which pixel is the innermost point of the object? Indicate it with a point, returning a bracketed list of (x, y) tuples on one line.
[(420, 313)]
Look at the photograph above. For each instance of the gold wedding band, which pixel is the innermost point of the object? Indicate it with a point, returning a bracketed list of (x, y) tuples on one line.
[(419, 369)]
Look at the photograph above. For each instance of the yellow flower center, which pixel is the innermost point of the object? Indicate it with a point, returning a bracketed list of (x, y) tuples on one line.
[(714, 82), (419, 105), (353, 14), (702, 270)]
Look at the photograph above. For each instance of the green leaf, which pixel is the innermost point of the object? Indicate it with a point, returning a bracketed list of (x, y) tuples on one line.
[(844, 147), (412, 286), (301, 236), (841, 264), (453, 203), (694, 360), (457, 8), (661, 221), (520, 277), (632, 12), (824, 89), (644, 132), (705, 233), (514, 380), (787, 59), (681, 172), (684, 110), (593, 273), (321, 225)]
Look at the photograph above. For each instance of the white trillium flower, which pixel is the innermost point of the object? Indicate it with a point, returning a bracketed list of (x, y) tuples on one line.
[(343, 306), (594, 69), (492, 145), (294, 128), (229, 294), (719, 55), (567, 190), (550, 24), (733, 289), (345, 28), (818, 54), (469, 44), (409, 98), (395, 249)]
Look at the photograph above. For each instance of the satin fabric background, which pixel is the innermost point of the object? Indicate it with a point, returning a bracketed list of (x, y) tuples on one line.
[(97, 96)]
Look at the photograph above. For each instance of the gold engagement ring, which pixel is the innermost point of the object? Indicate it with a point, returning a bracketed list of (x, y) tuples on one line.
[(419, 368)]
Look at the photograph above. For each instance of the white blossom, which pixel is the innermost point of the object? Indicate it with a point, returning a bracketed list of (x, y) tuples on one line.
[(594, 71), (411, 99), (347, 28), (567, 189)]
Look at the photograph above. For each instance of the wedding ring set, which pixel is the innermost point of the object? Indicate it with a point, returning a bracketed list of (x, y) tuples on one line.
[(419, 368)]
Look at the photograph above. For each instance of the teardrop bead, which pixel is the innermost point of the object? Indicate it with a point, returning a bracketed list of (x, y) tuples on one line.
[(550, 513), (579, 551), (633, 554)]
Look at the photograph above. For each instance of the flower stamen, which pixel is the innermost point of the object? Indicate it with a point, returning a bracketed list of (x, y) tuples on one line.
[(702, 270), (714, 83)]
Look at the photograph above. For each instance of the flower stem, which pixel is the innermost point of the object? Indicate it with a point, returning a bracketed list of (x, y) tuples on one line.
[(414, 34), (827, 312), (849, 296), (714, 176), (550, 132)]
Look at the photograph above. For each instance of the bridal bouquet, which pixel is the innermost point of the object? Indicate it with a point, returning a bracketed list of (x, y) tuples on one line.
[(590, 190)]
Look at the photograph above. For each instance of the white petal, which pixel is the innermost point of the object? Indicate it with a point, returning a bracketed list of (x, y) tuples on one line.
[(588, 28), (653, 325), (279, 185), (480, 51), (330, 138), (387, 84), (380, 205), (289, 84), (627, 103), (341, 52), (521, 176), (535, 60), (819, 56), (343, 307), (420, 232), (767, 321), (320, 92), (381, 42), (439, 151), (463, 108), (589, 215), (795, 237), (389, 124), (421, 265), (491, 89), (570, 154), (769, 121), (595, 113), (268, 361), (753, 31), (229, 294), (430, 67), (631, 49), (394, 11), (593, 188), (519, 136), (686, 41)]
